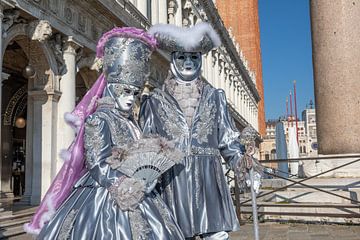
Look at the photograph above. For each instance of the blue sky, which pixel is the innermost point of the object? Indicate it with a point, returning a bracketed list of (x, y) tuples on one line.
[(285, 34)]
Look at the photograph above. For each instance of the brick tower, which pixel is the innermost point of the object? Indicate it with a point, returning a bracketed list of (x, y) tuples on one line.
[(242, 17)]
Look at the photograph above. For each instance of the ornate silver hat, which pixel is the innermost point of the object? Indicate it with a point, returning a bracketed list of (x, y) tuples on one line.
[(124, 53), (126, 60), (199, 38)]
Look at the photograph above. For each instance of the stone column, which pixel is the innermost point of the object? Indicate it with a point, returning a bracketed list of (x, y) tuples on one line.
[(162, 11), (155, 11), (178, 14), (336, 55), (67, 100), (142, 6), (29, 147), (43, 141), (1, 62)]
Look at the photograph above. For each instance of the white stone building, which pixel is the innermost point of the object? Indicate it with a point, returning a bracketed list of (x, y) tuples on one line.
[(307, 138), (57, 39)]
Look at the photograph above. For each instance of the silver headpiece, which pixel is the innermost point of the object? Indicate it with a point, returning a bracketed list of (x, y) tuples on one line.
[(126, 61), (199, 38)]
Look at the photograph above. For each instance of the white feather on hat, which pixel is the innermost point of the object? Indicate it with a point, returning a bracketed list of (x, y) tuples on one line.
[(199, 38)]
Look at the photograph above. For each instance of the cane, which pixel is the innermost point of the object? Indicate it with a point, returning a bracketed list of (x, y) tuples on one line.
[(247, 137), (250, 150)]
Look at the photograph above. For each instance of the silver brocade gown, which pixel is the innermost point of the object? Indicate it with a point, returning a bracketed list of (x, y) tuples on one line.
[(197, 194), (90, 212)]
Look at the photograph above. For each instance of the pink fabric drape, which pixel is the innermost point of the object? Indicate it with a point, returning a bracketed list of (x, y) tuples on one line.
[(73, 167)]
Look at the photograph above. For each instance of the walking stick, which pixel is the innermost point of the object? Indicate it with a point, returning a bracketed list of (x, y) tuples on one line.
[(247, 137), (254, 205)]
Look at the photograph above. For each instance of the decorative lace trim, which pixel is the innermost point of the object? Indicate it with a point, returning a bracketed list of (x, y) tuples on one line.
[(93, 139), (140, 229), (165, 214), (204, 128), (67, 225), (204, 151), (127, 192)]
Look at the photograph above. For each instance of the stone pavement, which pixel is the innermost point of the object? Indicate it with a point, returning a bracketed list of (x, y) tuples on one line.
[(297, 231)]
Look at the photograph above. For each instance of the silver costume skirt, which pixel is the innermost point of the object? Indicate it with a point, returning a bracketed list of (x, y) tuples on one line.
[(91, 213)]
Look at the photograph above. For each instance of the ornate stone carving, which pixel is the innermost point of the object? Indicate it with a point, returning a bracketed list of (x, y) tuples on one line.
[(56, 44), (53, 5), (81, 22), (214, 57), (187, 14), (39, 30), (172, 8), (11, 17), (9, 112), (94, 32), (68, 14)]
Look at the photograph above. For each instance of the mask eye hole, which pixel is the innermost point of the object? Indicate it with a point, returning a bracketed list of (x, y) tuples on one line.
[(127, 91), (194, 57), (136, 93), (181, 57)]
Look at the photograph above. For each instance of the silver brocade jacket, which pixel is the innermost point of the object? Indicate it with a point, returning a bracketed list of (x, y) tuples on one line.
[(197, 192), (90, 212)]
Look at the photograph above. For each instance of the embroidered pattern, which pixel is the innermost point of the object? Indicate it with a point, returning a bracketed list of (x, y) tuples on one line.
[(93, 139), (196, 182), (139, 227), (204, 127), (163, 210), (67, 226), (204, 151), (173, 125)]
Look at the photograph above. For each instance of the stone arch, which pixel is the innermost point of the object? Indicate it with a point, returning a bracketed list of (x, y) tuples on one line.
[(22, 30), (14, 104)]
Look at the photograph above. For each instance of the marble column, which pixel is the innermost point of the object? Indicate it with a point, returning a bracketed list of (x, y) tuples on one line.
[(336, 55), (67, 99)]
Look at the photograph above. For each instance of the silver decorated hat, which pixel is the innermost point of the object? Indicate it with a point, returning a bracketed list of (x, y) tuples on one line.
[(198, 38), (125, 53)]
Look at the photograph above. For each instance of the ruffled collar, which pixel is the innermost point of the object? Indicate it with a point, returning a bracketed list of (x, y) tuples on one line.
[(170, 84)]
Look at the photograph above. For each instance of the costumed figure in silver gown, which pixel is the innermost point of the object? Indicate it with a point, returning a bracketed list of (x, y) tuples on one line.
[(195, 115), (105, 203)]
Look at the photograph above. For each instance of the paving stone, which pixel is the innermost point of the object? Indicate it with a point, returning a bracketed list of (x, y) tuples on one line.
[(276, 231)]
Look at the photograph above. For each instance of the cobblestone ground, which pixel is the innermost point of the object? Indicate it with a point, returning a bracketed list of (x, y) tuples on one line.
[(295, 231)]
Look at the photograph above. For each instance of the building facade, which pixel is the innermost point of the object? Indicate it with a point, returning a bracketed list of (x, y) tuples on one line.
[(306, 134), (241, 18), (47, 64)]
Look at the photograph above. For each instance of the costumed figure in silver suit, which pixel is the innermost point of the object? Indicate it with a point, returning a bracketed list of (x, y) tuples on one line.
[(105, 203), (195, 115)]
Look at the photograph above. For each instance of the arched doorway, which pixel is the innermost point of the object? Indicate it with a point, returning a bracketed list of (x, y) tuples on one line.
[(29, 108), (14, 119)]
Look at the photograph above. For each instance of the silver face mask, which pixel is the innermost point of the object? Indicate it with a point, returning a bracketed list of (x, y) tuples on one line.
[(124, 95), (186, 66)]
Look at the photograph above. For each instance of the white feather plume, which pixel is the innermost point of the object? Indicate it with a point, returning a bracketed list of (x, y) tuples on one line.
[(189, 38)]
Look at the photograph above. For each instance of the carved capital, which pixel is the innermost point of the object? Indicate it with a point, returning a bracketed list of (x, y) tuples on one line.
[(71, 46)]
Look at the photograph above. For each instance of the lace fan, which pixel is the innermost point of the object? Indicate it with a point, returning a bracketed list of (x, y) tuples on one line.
[(146, 158)]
